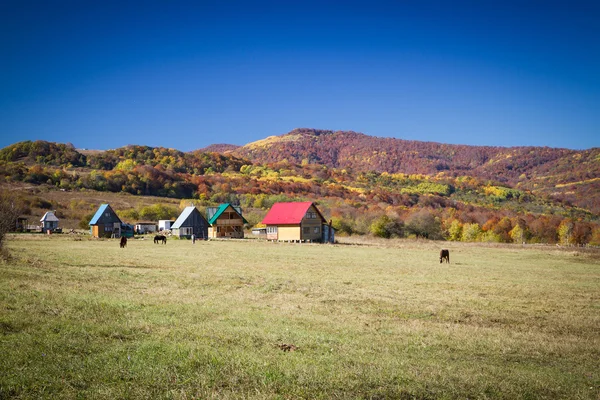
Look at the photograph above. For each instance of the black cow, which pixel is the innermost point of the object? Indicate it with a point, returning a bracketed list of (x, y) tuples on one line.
[(160, 238), (123, 243), (445, 255)]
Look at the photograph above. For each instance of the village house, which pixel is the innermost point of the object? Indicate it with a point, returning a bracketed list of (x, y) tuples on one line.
[(105, 223), (226, 221), (297, 222), (49, 222), (190, 222)]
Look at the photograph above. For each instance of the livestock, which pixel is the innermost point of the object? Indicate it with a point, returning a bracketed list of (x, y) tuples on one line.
[(123, 243), (445, 255), (160, 238)]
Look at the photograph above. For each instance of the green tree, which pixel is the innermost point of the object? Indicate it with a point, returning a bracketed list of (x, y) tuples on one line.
[(565, 232), (517, 234), (386, 227), (471, 232), (424, 224), (455, 231)]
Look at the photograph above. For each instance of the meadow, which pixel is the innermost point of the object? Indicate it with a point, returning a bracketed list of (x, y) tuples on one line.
[(83, 318)]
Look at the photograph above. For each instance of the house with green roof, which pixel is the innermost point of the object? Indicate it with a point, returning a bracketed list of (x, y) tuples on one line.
[(226, 221)]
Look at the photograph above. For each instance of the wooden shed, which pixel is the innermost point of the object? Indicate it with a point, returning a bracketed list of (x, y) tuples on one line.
[(189, 222), (294, 222), (226, 221), (105, 223), (49, 222)]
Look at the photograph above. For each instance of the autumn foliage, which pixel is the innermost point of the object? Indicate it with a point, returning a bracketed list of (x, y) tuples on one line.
[(385, 187)]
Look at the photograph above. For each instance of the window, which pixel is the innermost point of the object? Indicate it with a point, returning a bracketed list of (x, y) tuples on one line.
[(107, 228), (306, 230), (271, 229), (317, 229)]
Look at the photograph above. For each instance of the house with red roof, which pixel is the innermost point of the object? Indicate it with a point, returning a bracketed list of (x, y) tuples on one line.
[(295, 222)]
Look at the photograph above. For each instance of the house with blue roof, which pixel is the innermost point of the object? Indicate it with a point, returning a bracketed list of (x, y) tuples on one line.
[(226, 221), (105, 223), (189, 222)]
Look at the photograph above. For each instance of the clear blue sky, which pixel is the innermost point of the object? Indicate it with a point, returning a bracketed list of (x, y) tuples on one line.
[(104, 74)]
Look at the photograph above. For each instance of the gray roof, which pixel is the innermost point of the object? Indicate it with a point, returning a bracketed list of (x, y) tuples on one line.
[(49, 217), (182, 217)]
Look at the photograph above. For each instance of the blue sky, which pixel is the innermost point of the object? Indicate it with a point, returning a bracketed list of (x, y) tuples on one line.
[(104, 74)]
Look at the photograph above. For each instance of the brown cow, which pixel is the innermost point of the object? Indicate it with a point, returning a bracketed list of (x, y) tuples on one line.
[(445, 255), (123, 242)]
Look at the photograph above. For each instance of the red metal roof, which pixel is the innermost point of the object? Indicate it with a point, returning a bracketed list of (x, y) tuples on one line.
[(287, 213)]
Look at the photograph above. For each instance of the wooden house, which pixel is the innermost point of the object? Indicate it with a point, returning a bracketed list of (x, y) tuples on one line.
[(105, 223), (189, 222), (226, 221), (49, 222), (294, 222)]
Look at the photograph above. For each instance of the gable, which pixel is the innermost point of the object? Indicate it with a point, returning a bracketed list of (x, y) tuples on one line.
[(225, 208), (190, 216), (104, 215)]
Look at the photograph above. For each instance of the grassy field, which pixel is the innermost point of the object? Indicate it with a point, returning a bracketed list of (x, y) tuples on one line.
[(82, 318)]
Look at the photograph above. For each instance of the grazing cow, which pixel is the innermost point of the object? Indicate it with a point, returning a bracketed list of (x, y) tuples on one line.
[(160, 238), (123, 242), (445, 255)]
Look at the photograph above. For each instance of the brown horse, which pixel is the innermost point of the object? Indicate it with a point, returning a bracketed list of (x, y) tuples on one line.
[(160, 238), (445, 255), (123, 242)]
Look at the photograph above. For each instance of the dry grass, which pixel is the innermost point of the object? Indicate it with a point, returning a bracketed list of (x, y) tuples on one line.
[(84, 318)]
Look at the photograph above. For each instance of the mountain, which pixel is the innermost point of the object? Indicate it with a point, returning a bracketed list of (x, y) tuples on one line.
[(361, 152), (562, 173)]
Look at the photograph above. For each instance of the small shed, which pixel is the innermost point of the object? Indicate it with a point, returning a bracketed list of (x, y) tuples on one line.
[(105, 223), (144, 227), (49, 222), (295, 222), (260, 232), (165, 224), (226, 221), (189, 222)]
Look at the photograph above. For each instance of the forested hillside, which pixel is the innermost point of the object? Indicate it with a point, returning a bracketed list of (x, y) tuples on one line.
[(570, 175), (366, 185)]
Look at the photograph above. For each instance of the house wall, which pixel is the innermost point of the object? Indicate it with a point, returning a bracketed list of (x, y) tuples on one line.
[(312, 225), (288, 232), (100, 231), (49, 225), (105, 231), (225, 227)]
